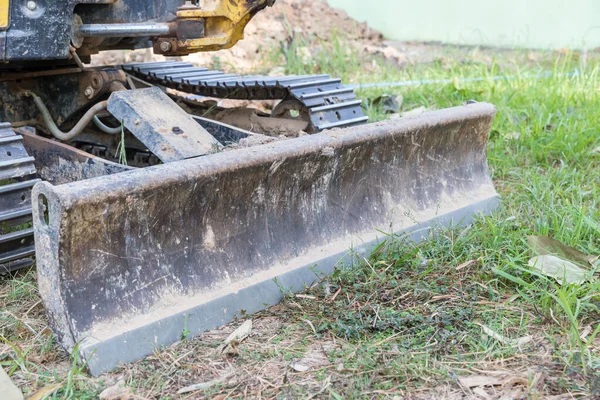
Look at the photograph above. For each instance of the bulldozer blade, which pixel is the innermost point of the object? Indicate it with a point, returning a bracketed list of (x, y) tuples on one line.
[(127, 262)]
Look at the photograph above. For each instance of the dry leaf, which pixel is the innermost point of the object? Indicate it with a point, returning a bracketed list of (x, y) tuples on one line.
[(544, 245), (237, 336), (515, 380), (495, 335), (523, 340), (45, 392), (204, 385), (479, 380), (314, 357), (513, 393), (503, 339), (536, 386), (8, 390), (514, 387), (479, 391), (563, 271), (559, 397), (241, 333), (118, 392), (466, 264), (306, 296), (296, 366), (584, 334)]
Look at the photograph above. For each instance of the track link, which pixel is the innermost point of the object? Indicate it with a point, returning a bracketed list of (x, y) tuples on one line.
[(329, 103), (17, 177)]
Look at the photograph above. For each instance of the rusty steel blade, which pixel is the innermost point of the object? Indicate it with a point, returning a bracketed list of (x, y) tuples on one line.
[(126, 262)]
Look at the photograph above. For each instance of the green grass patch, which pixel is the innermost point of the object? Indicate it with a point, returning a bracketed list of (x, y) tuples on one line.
[(409, 300)]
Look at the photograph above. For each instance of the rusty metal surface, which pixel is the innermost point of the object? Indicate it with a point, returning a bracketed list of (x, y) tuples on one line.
[(160, 124), (67, 94), (224, 133), (126, 260), (60, 163)]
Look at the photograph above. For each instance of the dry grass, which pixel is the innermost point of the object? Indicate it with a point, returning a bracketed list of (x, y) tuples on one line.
[(295, 349), (408, 322)]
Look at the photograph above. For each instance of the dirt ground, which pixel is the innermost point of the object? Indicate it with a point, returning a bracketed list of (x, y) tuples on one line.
[(312, 20)]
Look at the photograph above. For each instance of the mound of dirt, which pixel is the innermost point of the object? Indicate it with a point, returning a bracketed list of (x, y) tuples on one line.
[(309, 19), (317, 18)]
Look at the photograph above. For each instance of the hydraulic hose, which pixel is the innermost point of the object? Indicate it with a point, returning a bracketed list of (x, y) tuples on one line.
[(77, 129), (105, 128)]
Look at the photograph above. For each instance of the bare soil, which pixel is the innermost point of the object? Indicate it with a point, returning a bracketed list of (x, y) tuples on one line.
[(313, 20)]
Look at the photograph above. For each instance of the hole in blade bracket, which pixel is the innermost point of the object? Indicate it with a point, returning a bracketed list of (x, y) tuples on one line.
[(44, 210)]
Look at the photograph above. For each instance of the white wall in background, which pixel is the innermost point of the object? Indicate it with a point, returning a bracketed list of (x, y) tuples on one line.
[(510, 23)]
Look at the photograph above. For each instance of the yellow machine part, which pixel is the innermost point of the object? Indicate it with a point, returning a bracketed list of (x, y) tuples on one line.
[(4, 13), (224, 23)]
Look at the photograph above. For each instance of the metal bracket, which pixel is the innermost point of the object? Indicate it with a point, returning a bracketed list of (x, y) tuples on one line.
[(161, 125)]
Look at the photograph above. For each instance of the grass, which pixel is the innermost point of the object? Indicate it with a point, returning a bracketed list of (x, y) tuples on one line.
[(408, 320)]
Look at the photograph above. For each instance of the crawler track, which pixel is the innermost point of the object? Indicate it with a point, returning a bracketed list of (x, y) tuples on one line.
[(328, 102)]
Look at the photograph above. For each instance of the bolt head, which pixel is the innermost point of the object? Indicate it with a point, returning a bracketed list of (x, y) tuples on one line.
[(165, 46), (31, 5), (89, 92)]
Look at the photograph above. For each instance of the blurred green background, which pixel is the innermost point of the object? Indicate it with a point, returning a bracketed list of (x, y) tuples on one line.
[(548, 24)]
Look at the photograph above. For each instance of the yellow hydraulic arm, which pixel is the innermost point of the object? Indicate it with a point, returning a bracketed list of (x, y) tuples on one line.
[(222, 22)]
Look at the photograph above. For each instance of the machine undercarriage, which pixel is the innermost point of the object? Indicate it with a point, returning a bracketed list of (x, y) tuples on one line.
[(103, 144)]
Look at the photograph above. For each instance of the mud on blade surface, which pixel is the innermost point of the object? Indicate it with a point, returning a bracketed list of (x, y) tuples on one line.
[(127, 261)]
